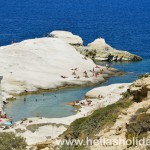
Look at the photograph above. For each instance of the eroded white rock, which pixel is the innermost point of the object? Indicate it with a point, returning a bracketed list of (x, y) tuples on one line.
[(39, 64), (68, 37)]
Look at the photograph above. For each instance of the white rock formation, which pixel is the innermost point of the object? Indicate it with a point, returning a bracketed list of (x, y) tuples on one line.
[(37, 64), (67, 37), (107, 91), (99, 43), (98, 50)]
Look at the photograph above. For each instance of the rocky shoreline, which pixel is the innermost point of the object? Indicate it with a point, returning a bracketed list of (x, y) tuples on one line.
[(125, 120), (98, 50), (44, 132), (133, 122), (46, 64), (36, 130)]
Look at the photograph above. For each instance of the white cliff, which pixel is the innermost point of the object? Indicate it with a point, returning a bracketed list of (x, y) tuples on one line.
[(97, 50), (44, 63), (68, 37)]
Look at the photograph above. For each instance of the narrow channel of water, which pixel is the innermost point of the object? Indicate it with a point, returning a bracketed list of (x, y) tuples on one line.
[(53, 105)]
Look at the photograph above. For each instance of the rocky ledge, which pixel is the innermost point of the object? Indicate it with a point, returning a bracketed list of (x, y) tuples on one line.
[(110, 112), (46, 64), (127, 119), (140, 89), (68, 37), (98, 50)]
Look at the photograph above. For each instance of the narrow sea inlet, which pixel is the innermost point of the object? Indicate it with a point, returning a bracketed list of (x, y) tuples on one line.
[(53, 104)]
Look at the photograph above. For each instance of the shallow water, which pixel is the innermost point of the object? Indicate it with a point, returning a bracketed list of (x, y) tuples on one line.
[(52, 104)]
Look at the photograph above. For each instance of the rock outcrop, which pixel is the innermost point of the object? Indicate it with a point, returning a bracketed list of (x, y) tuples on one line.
[(98, 50), (67, 37), (111, 92), (140, 89), (133, 122), (45, 63)]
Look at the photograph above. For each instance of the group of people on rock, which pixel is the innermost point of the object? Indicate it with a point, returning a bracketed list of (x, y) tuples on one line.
[(3, 115), (96, 71), (100, 96), (88, 102), (4, 121)]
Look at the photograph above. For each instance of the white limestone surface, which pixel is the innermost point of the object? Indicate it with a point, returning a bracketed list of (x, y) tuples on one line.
[(67, 37), (37, 64)]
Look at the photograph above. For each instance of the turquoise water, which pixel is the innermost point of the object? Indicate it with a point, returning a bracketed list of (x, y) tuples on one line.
[(52, 104)]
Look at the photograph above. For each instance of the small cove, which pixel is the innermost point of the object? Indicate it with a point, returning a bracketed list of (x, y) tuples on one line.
[(52, 104)]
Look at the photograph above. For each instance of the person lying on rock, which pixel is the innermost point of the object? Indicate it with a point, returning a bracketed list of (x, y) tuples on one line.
[(74, 73), (97, 66), (75, 69), (64, 77), (78, 77), (96, 74), (101, 71)]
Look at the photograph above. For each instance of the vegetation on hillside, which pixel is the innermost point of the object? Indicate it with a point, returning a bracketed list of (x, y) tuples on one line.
[(139, 125), (9, 141), (90, 125)]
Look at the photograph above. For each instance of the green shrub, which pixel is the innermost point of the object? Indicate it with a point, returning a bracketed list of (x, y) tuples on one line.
[(126, 94), (139, 127), (9, 141), (141, 110), (90, 125)]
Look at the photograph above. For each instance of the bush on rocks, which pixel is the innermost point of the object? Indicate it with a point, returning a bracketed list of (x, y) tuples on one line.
[(9, 141)]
